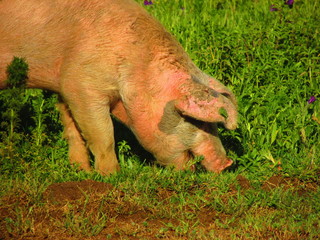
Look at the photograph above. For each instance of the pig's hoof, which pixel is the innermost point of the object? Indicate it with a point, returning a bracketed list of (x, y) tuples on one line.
[(81, 166), (106, 171)]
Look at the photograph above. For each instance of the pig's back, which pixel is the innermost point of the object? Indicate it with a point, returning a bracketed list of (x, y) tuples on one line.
[(51, 33)]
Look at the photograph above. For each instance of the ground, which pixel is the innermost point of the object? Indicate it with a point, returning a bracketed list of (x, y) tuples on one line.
[(95, 210)]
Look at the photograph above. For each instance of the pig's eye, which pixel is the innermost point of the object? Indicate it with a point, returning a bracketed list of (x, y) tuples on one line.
[(227, 95)]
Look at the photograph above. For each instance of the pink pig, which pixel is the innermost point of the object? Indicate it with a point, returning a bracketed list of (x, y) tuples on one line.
[(106, 56)]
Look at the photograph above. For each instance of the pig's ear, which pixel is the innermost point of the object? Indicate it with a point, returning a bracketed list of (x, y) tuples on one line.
[(209, 108), (220, 88)]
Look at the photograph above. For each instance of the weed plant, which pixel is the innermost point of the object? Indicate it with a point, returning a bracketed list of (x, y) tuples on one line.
[(268, 53)]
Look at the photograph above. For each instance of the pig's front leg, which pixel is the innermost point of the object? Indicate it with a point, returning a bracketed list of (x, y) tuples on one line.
[(91, 112), (78, 153)]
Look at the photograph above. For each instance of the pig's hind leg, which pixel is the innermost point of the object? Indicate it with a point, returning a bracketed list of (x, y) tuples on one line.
[(78, 153)]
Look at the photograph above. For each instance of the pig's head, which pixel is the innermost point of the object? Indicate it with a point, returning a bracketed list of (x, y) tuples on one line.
[(208, 103)]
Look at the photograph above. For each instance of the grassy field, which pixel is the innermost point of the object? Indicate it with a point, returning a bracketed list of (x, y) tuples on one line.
[(270, 57)]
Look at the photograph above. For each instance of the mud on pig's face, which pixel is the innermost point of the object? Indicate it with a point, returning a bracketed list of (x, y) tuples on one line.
[(192, 138), (205, 104)]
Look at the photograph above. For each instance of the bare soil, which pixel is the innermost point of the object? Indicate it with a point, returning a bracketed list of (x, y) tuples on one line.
[(96, 210)]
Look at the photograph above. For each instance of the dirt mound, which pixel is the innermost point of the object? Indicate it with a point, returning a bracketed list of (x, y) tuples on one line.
[(71, 191), (292, 184), (278, 181)]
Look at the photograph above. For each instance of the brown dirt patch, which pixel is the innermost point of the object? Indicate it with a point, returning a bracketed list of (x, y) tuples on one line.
[(96, 210), (82, 210), (243, 182), (71, 191), (291, 184)]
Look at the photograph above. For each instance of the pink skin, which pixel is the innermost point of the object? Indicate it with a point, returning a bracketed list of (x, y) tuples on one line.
[(211, 149), (111, 57), (185, 140)]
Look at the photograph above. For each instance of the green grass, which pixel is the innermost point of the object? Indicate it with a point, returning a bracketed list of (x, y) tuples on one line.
[(271, 60)]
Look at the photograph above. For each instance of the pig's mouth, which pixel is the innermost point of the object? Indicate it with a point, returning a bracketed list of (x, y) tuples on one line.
[(216, 166)]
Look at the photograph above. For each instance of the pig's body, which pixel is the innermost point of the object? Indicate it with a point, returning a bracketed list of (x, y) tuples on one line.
[(105, 56)]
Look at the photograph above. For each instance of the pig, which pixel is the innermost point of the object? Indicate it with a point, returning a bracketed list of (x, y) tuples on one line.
[(106, 57)]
